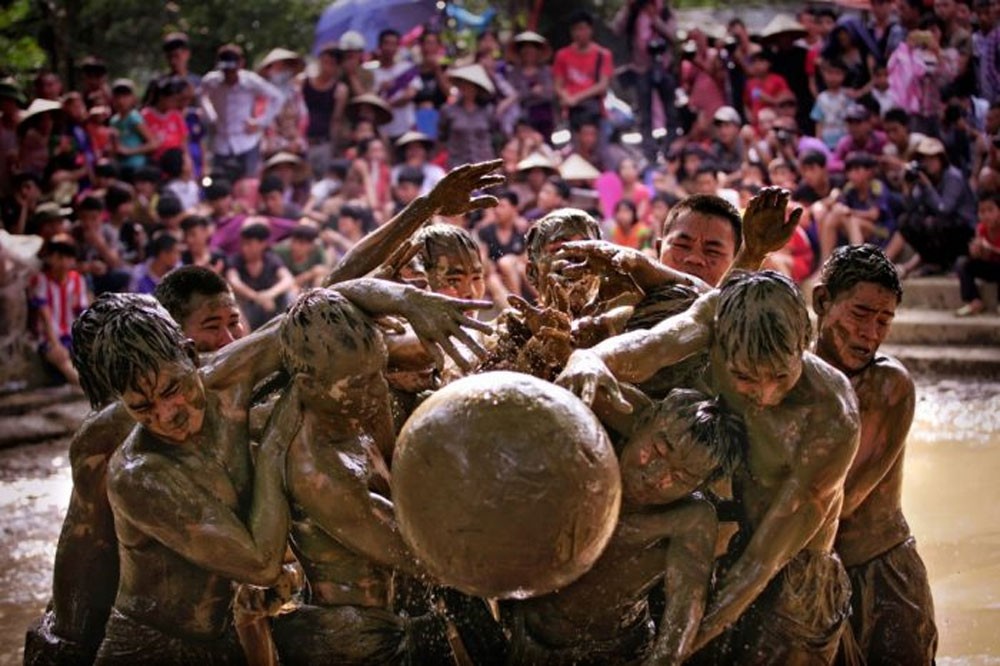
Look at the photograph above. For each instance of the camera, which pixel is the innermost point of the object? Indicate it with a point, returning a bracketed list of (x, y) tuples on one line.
[(657, 46), (912, 171), (783, 135)]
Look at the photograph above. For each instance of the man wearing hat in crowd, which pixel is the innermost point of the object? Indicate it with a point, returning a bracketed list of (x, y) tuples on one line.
[(48, 220), (11, 103), (351, 47), (728, 150), (467, 125), (531, 78), (861, 136), (229, 95), (531, 174), (413, 151), (940, 210), (397, 82), (281, 67), (35, 130)]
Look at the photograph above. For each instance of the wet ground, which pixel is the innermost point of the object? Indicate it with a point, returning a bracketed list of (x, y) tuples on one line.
[(950, 498)]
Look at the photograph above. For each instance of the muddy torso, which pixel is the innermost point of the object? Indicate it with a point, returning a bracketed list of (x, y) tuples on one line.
[(877, 524), (337, 575), (158, 586)]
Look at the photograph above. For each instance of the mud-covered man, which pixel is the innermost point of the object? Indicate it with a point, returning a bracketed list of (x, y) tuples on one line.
[(344, 531), (665, 535), (85, 574), (892, 618), (802, 426)]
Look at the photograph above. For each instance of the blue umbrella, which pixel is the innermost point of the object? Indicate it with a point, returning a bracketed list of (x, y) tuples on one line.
[(370, 17)]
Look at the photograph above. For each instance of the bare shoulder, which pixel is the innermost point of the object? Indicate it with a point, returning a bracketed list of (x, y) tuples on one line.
[(98, 437), (889, 381), (836, 404), (133, 468)]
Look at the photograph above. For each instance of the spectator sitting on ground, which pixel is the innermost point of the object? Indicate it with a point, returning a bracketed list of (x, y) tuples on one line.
[(408, 185), (983, 261), (553, 195), (304, 257), (169, 213), (163, 255), (862, 213), (260, 280), (861, 136), (197, 232), (58, 295), (273, 202), (504, 241)]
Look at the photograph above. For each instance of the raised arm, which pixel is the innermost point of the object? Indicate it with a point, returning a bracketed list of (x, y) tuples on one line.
[(159, 499), (766, 228), (453, 195), (802, 505), (635, 357)]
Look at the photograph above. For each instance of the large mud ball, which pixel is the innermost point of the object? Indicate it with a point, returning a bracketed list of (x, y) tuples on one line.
[(505, 485)]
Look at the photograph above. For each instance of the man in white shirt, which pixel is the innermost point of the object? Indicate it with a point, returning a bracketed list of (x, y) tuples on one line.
[(397, 82), (228, 94)]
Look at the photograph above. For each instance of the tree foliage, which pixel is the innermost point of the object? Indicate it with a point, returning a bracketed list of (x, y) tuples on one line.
[(127, 33)]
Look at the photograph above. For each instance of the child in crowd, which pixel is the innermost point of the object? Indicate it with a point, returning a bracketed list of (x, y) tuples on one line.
[(197, 232), (260, 280), (304, 256), (830, 109), (58, 296), (131, 140), (983, 261), (164, 255)]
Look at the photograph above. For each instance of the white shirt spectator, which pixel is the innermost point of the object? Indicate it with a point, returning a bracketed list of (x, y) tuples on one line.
[(390, 84), (229, 109)]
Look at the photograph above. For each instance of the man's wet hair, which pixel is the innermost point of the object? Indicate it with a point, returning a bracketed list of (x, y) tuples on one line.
[(85, 333), (761, 319), (437, 240), (853, 264), (560, 223), (711, 206), (132, 346), (708, 422), (178, 288), (322, 324)]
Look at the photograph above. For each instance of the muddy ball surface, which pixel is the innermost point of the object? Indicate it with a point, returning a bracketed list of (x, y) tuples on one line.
[(505, 485)]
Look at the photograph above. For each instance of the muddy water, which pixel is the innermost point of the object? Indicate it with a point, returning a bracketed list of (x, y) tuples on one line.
[(951, 498)]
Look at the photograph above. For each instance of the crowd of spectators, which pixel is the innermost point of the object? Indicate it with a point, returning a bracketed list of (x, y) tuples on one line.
[(884, 124)]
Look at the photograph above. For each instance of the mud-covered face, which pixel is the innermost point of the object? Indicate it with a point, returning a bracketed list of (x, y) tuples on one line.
[(765, 386), (170, 403), (689, 464), (855, 324), (457, 274), (214, 322)]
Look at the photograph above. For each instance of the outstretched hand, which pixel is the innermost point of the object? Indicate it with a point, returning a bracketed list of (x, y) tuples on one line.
[(436, 319), (598, 258), (536, 318), (766, 228), (453, 195), (585, 373)]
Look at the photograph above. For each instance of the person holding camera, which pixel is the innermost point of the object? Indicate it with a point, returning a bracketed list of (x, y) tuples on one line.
[(940, 210), (650, 31)]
